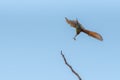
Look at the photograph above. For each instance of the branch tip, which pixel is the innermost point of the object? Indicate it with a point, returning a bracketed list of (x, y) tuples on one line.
[(73, 71)]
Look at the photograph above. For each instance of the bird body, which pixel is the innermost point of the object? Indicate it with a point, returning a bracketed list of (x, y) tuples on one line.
[(79, 28)]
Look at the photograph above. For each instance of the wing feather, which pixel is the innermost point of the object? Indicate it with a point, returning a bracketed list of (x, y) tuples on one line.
[(72, 23)]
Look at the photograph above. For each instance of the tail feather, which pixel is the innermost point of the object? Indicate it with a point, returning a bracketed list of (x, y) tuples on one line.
[(93, 34)]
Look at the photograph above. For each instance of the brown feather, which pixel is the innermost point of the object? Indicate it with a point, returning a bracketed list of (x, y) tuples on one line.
[(93, 34), (73, 23)]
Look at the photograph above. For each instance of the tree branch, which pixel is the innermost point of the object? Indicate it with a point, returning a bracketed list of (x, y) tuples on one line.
[(73, 71)]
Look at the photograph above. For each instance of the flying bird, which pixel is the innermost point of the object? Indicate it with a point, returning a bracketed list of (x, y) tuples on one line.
[(79, 28)]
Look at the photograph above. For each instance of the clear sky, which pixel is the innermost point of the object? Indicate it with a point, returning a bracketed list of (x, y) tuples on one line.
[(33, 32)]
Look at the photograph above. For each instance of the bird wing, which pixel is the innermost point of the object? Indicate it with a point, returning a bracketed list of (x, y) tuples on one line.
[(93, 34), (73, 23)]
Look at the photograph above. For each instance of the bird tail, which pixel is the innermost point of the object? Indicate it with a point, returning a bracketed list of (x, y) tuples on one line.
[(93, 34)]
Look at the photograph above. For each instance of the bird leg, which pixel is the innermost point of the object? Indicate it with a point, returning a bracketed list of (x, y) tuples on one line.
[(75, 37)]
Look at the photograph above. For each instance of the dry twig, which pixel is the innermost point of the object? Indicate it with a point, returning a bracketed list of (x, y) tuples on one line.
[(70, 66)]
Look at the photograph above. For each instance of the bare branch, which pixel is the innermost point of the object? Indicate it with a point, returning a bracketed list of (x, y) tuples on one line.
[(70, 66)]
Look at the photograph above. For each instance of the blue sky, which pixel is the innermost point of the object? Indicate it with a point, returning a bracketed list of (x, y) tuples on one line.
[(33, 32)]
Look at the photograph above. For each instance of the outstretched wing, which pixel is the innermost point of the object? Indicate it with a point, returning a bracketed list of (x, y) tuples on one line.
[(73, 23), (93, 34)]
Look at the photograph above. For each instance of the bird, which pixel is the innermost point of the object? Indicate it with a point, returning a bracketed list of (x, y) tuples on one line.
[(79, 28)]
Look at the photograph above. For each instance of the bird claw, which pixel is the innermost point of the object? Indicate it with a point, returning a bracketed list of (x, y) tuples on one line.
[(74, 38)]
